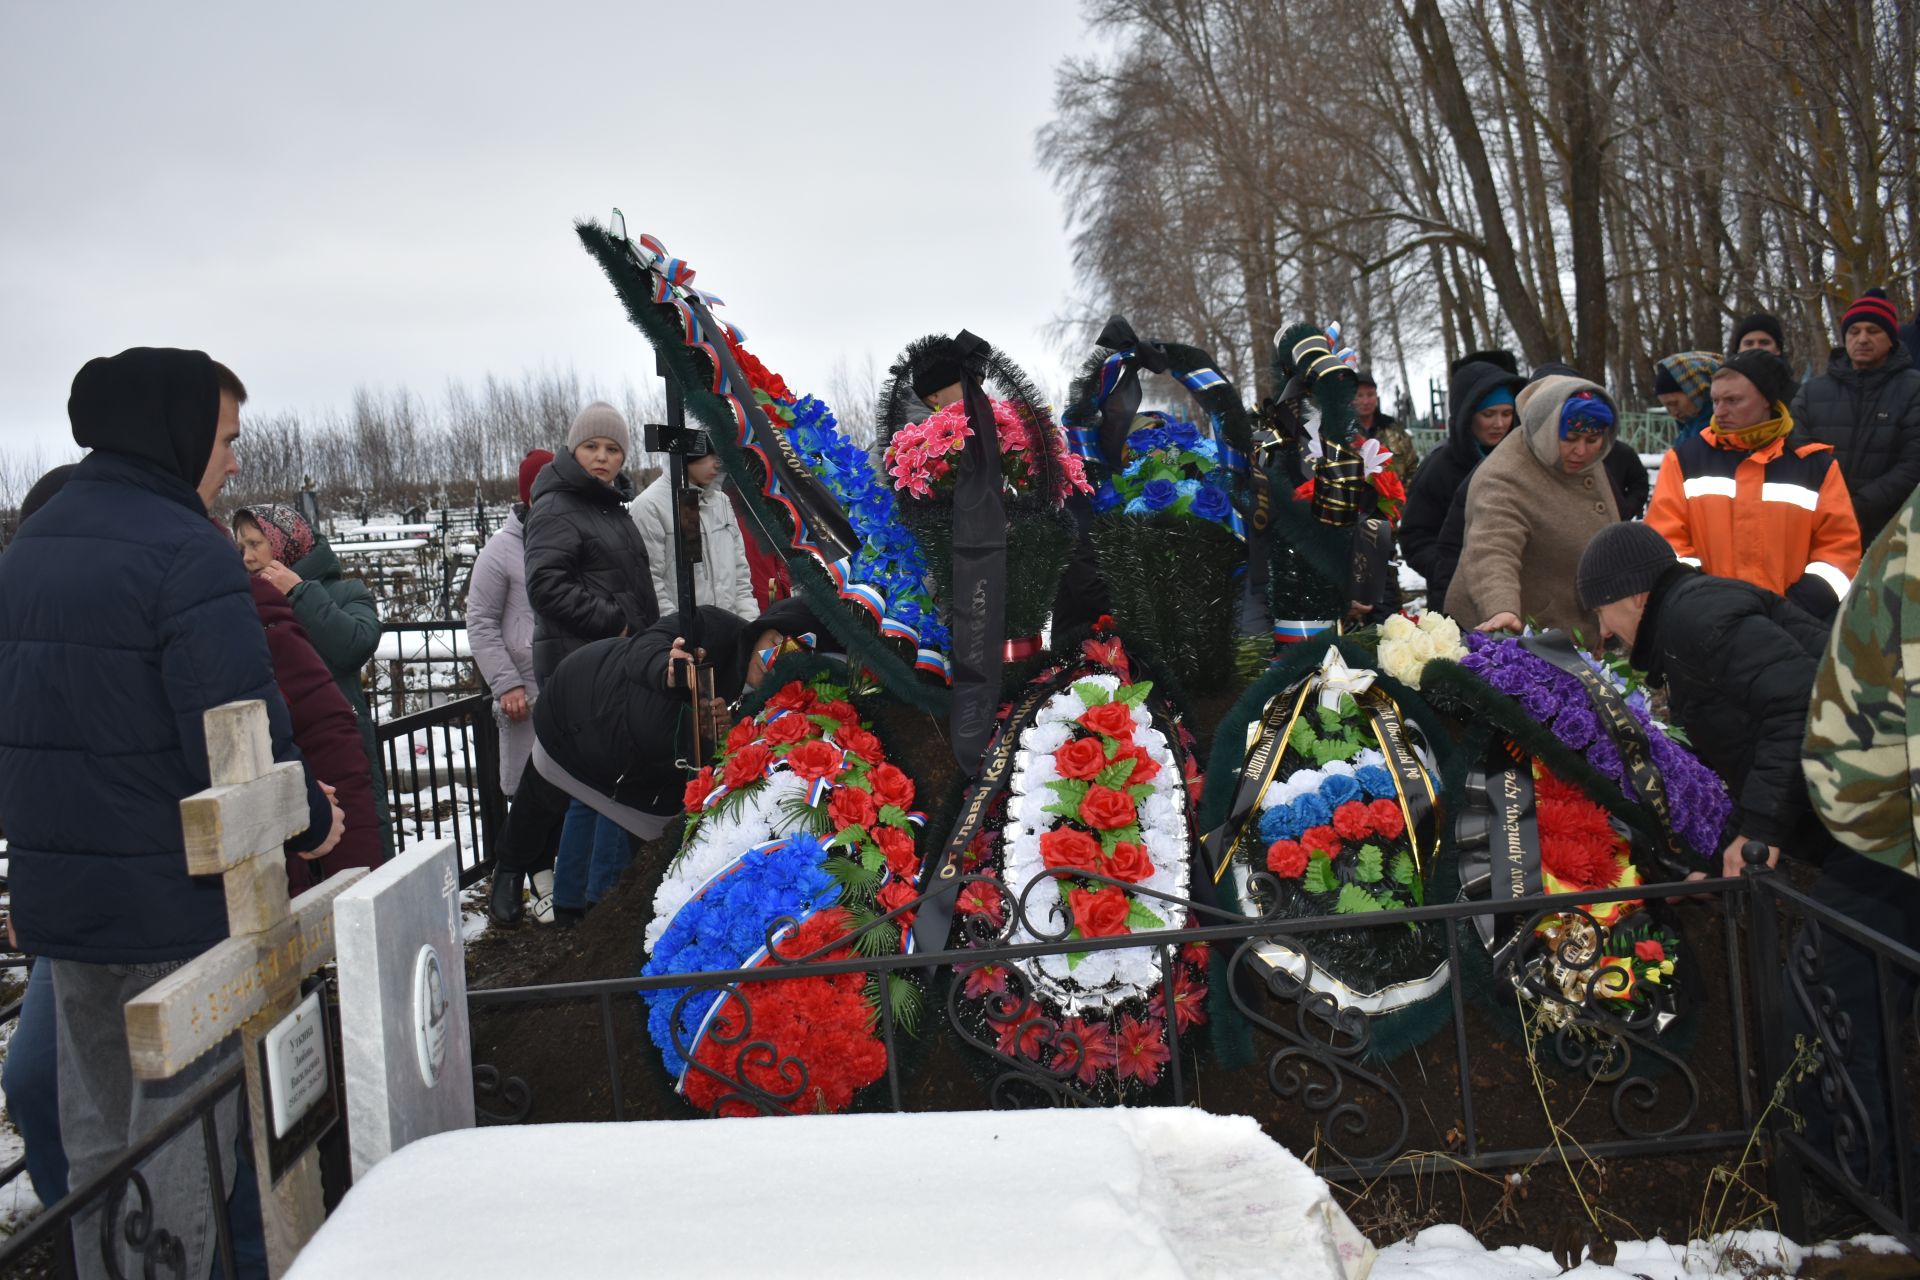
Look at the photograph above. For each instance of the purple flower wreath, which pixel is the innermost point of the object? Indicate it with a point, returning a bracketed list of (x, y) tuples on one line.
[(1696, 797)]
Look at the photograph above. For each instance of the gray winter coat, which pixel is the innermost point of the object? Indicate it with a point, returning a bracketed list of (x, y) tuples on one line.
[(500, 632)]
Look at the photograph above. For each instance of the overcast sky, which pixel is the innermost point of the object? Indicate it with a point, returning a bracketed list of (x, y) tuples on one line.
[(348, 193)]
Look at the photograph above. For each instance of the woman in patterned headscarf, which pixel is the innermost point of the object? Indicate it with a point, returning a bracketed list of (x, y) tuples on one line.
[(337, 613)]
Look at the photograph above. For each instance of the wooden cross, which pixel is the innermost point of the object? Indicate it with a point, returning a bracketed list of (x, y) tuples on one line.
[(235, 830)]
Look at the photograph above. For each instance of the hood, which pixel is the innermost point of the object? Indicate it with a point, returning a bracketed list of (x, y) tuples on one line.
[(156, 403), (44, 488), (319, 564), (1473, 381), (1841, 367), (564, 473), (730, 638), (1538, 406)]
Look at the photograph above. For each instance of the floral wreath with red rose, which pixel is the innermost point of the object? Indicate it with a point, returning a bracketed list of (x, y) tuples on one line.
[(804, 774), (1095, 825)]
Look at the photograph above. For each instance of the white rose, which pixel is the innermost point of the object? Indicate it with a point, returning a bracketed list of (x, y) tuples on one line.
[(1397, 628)]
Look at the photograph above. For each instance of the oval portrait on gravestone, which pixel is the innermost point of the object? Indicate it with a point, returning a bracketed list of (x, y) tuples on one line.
[(429, 1015)]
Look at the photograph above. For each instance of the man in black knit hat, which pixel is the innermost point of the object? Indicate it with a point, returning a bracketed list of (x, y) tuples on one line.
[(1738, 663), (1759, 332), (1867, 406)]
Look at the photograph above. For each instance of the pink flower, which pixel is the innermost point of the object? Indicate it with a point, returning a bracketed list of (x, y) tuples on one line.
[(985, 980), (1022, 1033), (1189, 1000)]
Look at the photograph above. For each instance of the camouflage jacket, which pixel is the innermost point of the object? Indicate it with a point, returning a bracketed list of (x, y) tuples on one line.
[(1862, 751)]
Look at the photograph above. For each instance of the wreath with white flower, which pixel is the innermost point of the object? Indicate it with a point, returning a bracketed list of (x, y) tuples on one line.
[(1096, 786), (1407, 646)]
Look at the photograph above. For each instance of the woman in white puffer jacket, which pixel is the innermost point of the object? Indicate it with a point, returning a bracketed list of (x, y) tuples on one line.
[(722, 576)]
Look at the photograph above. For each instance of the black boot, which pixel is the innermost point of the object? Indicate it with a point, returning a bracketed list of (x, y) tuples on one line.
[(503, 900)]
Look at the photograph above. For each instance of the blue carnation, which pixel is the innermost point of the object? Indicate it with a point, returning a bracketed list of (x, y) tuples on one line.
[(1211, 503), (1158, 495), (1277, 824), (1375, 781), (1338, 789), (1312, 811)]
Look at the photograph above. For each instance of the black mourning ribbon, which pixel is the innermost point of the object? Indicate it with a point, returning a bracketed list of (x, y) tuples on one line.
[(1636, 753), (1123, 402), (976, 615), (827, 522), (1499, 841)]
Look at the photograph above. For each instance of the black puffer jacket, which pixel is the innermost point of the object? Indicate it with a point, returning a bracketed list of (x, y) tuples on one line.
[(1738, 662), (606, 716), (587, 571), (1444, 471), (1872, 420), (1625, 472)]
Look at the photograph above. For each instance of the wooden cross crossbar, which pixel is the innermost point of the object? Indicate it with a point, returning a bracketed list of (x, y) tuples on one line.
[(235, 829)]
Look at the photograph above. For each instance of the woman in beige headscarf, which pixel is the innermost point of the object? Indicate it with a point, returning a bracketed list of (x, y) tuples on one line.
[(1532, 506)]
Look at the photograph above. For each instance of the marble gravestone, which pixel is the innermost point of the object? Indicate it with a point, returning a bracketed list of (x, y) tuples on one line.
[(403, 1004)]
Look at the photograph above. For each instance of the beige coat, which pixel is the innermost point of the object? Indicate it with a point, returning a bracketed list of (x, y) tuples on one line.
[(1528, 521)]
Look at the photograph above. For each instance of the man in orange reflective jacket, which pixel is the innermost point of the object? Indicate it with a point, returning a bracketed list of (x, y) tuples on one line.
[(1751, 498)]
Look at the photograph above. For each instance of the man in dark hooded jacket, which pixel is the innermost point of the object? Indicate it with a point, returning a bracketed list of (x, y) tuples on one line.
[(1485, 381), (610, 731), (127, 617)]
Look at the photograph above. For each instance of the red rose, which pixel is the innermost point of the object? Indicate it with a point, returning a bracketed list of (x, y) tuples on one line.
[(815, 759), (891, 786), (841, 711), (795, 697), (789, 729), (1353, 821), (1099, 913), (1287, 859), (697, 791), (859, 742), (746, 765), (1322, 840), (897, 845), (1129, 862), (851, 807), (1387, 819), (1114, 719), (741, 734), (1650, 950), (1145, 768), (1068, 847), (1083, 758), (1107, 809), (895, 894)]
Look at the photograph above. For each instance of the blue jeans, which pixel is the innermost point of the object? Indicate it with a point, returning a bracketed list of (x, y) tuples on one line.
[(31, 1079), (594, 854)]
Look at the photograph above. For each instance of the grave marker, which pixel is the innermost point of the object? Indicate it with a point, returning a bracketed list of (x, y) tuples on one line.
[(403, 1004), (250, 982)]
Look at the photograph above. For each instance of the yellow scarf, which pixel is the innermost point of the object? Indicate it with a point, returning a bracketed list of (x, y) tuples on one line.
[(1756, 436)]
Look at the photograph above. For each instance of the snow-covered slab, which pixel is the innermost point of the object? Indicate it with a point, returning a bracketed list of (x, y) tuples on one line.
[(384, 530), (422, 646), (1451, 1253), (1139, 1192), (384, 544)]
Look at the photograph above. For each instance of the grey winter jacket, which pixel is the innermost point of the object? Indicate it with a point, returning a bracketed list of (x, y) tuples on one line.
[(722, 577), (500, 632), (1872, 420)]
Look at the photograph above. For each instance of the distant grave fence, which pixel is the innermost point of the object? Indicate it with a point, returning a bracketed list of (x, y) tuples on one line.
[(443, 779)]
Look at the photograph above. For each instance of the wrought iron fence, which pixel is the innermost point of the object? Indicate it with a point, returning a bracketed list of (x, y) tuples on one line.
[(1316, 1057), (419, 664), (124, 1201), (443, 779)]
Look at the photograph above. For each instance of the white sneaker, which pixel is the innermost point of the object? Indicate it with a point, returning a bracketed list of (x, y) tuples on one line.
[(541, 883)]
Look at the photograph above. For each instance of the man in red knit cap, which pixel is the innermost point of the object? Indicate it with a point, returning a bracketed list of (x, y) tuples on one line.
[(1867, 406)]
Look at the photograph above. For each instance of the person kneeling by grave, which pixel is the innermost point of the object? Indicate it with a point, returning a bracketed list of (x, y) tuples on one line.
[(1738, 662), (614, 729)]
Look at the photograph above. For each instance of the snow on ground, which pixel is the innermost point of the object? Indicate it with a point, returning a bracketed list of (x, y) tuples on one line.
[(1451, 1253), (1118, 1192)]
